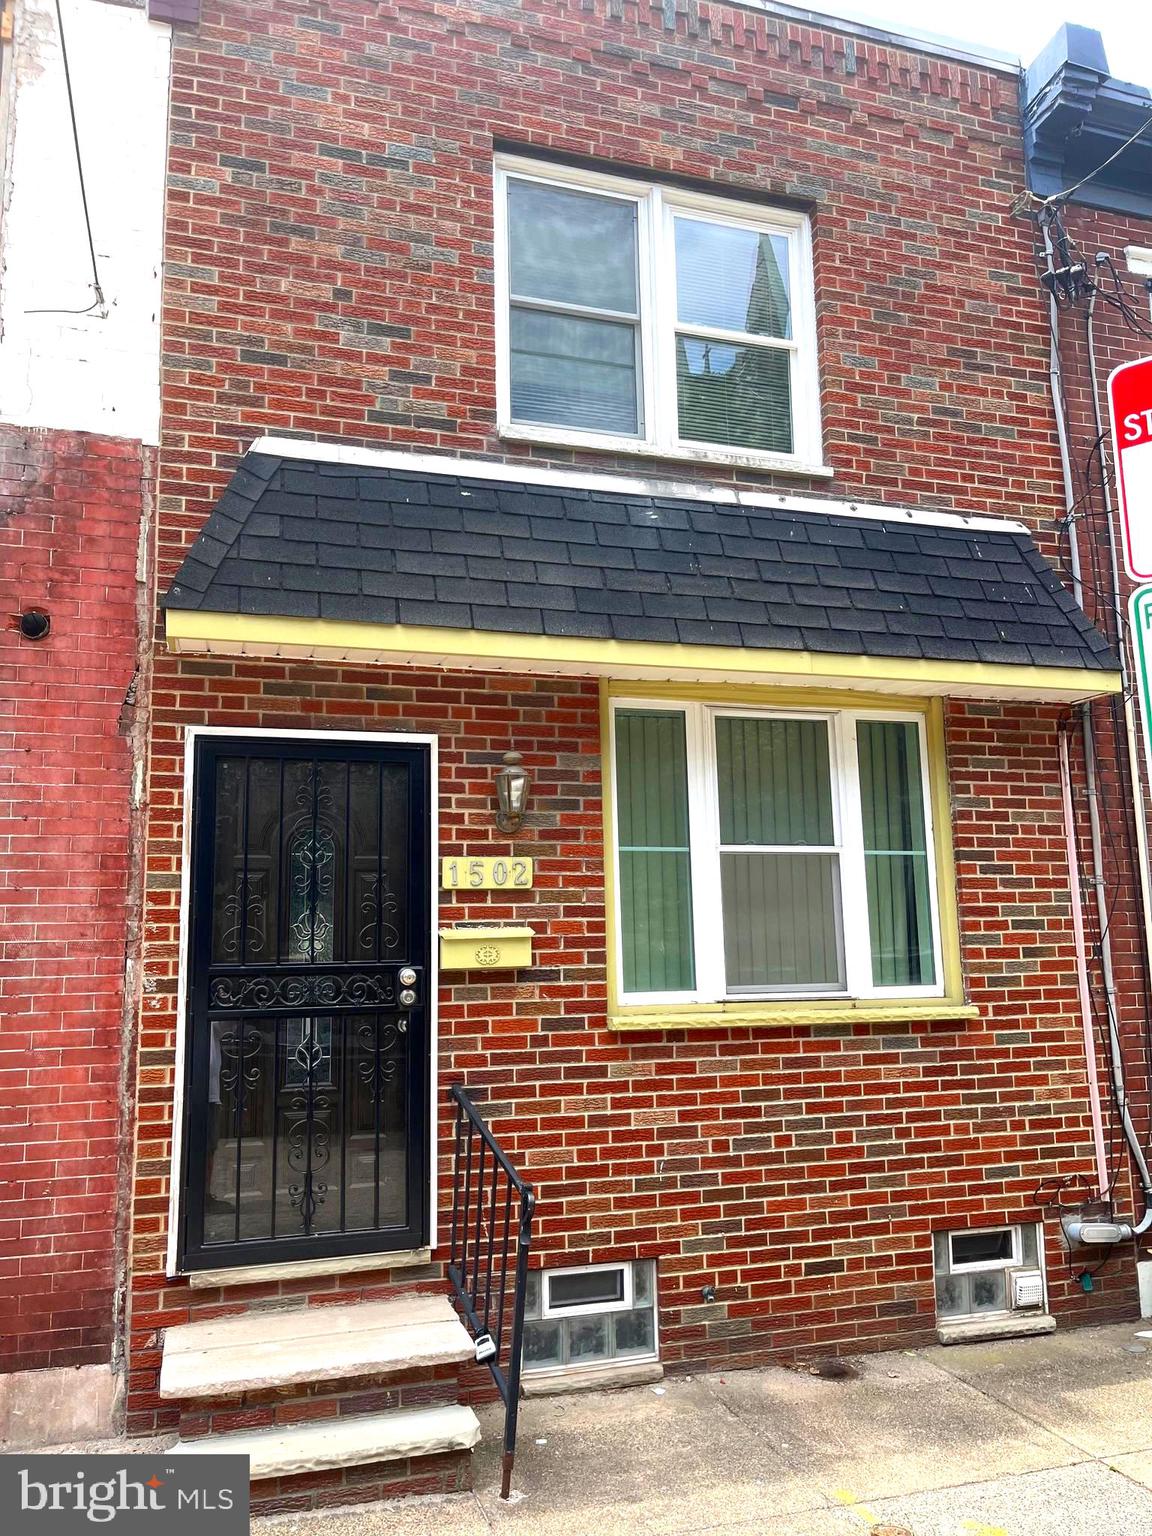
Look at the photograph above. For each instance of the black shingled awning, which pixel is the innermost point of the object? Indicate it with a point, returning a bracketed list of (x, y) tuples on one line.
[(308, 538)]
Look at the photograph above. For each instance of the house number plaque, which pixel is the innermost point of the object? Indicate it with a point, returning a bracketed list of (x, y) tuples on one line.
[(498, 874)]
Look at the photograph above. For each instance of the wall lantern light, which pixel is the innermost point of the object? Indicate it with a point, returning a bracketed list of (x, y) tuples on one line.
[(513, 787)]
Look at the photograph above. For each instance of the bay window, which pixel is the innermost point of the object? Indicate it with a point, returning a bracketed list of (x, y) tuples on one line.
[(771, 854), (645, 317)]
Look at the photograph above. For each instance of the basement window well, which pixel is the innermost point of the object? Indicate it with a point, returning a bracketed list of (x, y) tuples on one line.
[(988, 1272), (597, 1315)]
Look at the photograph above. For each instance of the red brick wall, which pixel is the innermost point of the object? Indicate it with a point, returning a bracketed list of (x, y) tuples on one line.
[(329, 260), (329, 274), (70, 512), (801, 1171)]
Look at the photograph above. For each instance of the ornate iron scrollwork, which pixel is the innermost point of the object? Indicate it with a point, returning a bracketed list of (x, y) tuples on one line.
[(239, 1059), (240, 912), (323, 989), (377, 1068)]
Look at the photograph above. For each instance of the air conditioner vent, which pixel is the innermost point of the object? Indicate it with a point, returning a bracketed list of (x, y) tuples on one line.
[(1026, 1289)]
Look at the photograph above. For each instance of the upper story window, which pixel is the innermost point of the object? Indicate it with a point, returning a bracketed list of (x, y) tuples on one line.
[(654, 320)]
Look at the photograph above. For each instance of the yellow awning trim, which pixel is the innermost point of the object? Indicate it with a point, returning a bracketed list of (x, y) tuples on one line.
[(232, 634)]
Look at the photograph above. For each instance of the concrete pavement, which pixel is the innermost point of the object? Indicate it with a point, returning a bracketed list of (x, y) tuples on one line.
[(1035, 1437)]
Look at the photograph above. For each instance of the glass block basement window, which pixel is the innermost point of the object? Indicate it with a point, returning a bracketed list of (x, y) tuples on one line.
[(598, 1315), (972, 1269)]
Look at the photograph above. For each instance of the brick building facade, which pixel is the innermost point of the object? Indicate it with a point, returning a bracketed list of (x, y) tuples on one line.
[(330, 251), (777, 487)]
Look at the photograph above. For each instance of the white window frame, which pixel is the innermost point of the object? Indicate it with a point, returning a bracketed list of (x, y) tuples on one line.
[(584, 1308), (704, 852), (1015, 1261), (656, 208)]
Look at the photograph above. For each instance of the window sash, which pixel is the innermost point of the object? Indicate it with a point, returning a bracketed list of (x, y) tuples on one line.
[(1013, 1261), (657, 325), (706, 851)]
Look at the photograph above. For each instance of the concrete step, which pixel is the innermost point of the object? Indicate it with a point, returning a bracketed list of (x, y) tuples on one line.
[(344, 1442), (259, 1350)]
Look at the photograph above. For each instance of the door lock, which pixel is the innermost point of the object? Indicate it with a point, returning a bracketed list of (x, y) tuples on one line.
[(407, 997), (407, 976)]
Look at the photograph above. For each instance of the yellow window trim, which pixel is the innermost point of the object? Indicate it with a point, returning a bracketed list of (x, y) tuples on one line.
[(893, 1010), (952, 1005), (245, 634)]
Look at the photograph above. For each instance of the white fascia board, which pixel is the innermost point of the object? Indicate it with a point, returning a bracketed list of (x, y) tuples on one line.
[(354, 455)]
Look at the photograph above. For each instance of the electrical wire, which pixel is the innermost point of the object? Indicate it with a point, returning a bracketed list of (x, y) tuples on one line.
[(1091, 477), (98, 302), (1060, 197)]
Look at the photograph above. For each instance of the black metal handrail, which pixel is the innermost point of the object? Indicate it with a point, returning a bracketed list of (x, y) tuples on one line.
[(482, 1229)]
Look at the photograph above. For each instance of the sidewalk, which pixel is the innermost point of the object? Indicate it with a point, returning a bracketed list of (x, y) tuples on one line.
[(1036, 1437)]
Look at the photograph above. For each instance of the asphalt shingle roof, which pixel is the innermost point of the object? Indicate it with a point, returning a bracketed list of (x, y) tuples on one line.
[(314, 539)]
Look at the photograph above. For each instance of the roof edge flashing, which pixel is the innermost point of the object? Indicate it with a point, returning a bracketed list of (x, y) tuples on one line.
[(853, 23), (512, 471)]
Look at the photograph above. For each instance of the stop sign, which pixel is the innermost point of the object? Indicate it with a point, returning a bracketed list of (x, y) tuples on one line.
[(1130, 411)]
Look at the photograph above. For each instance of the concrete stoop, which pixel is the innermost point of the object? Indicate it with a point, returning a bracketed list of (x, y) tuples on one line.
[(333, 1404)]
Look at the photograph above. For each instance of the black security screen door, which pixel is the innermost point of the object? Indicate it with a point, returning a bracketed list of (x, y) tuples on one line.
[(308, 1062)]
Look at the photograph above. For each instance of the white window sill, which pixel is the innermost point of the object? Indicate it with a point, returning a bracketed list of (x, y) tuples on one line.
[(978, 1330), (766, 463)]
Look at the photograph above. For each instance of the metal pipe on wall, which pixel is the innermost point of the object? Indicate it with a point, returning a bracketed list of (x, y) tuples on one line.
[(1115, 1059), (1094, 1104)]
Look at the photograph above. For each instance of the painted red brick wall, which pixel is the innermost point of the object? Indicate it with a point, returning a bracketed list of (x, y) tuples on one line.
[(70, 514), (329, 274)]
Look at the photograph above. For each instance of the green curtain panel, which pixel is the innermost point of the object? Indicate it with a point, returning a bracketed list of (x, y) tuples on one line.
[(895, 853), (655, 870)]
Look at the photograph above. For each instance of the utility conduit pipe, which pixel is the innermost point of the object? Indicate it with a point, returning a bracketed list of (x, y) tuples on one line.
[(1124, 1230), (1094, 1105)]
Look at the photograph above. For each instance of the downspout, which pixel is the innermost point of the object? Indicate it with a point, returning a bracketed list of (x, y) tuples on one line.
[(1119, 1231)]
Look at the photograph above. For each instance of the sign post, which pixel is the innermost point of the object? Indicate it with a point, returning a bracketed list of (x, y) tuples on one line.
[(1130, 413), (1140, 622)]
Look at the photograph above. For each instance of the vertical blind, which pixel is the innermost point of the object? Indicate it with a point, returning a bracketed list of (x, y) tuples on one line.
[(775, 851), (655, 864), (781, 909), (895, 853)]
